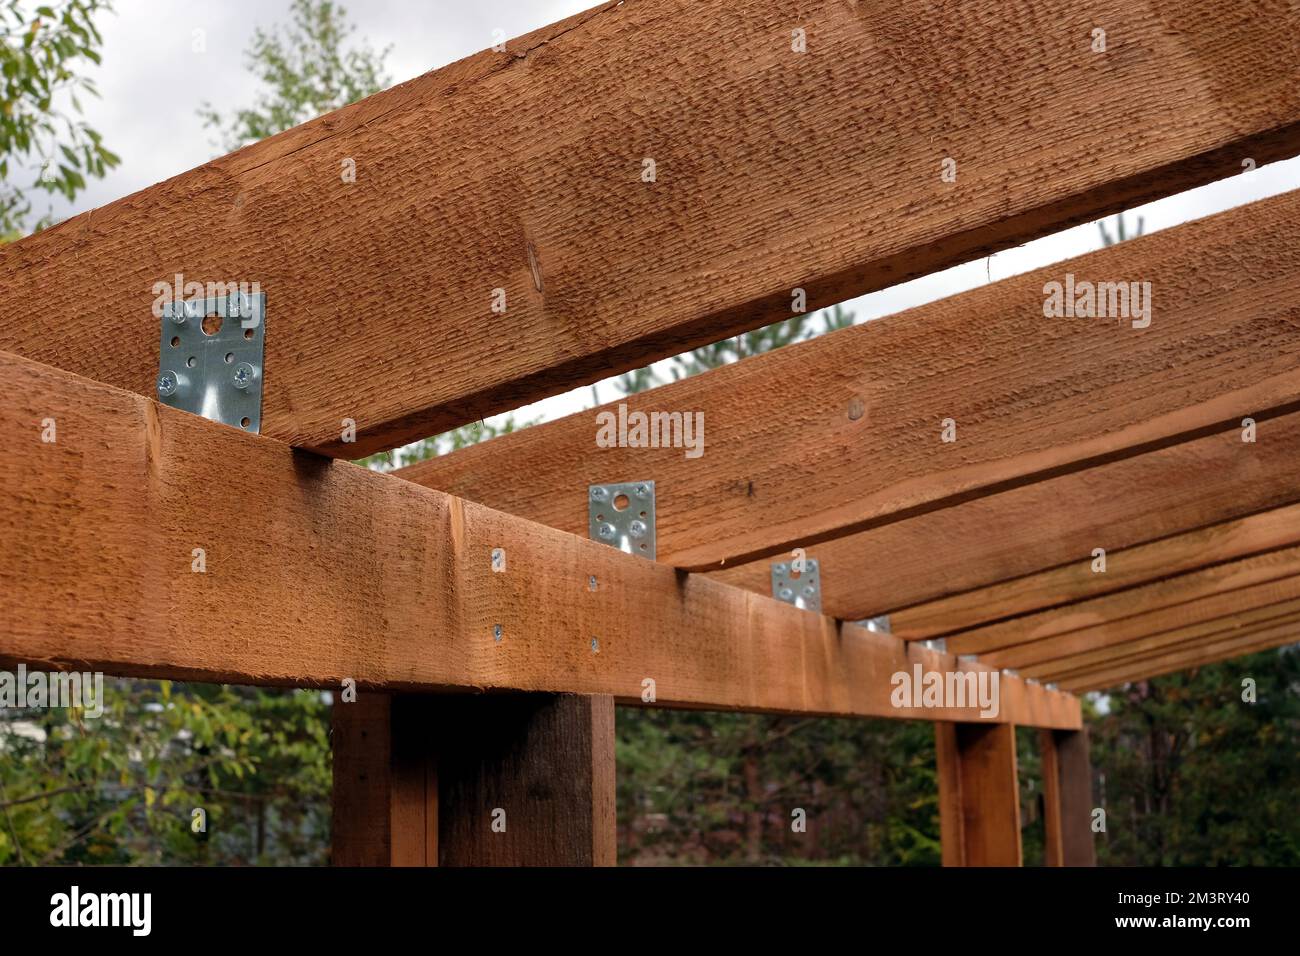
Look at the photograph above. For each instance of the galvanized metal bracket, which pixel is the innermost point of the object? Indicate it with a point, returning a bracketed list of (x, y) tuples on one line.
[(879, 624), (622, 514), (802, 588), (210, 358)]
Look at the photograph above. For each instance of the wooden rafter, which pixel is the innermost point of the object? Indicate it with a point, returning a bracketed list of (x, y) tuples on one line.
[(844, 433), (775, 170)]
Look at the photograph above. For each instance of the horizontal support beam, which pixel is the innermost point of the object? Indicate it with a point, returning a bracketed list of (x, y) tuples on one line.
[(381, 233), (1183, 599), (845, 433), (316, 571), (1196, 657)]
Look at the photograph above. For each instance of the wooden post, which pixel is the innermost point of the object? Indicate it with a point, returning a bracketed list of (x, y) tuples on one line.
[(455, 780), (1067, 797), (979, 794)]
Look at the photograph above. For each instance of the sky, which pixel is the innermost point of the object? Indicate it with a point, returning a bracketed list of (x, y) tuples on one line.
[(152, 81)]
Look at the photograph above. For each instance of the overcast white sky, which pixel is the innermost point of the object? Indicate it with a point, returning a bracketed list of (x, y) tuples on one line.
[(152, 82)]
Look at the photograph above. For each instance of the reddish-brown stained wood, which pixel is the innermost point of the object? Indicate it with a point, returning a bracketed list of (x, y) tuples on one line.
[(826, 438), (977, 775), (546, 761), (1178, 601), (1169, 663), (319, 570), (1236, 622), (1049, 762), (417, 778), (775, 170), (1074, 768), (1125, 568), (961, 550)]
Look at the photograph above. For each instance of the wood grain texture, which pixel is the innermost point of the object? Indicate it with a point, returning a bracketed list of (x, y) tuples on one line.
[(1125, 568), (787, 464), (1050, 766), (522, 170), (1188, 620), (1074, 766), (546, 761), (949, 557), (1179, 600), (1127, 658), (361, 831), (1237, 622), (1189, 660), (985, 788), (319, 570)]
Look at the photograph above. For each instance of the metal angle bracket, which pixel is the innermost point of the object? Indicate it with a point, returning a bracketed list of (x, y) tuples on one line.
[(800, 588), (622, 514), (210, 358)]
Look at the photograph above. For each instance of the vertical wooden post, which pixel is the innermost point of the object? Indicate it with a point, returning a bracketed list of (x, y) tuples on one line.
[(1050, 762), (979, 794), (499, 780), (1067, 791)]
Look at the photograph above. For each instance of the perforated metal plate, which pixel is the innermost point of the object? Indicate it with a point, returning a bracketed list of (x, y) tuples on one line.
[(623, 515), (212, 368), (800, 588)]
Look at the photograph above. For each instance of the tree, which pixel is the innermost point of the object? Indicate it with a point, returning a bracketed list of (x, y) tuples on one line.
[(42, 59), (306, 72)]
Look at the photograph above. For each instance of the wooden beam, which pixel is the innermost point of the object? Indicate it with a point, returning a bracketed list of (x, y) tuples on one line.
[(1179, 601), (1193, 649), (979, 794), (865, 447), (1067, 782), (380, 285), (1179, 637), (1172, 663), (1125, 568), (317, 571), (500, 780)]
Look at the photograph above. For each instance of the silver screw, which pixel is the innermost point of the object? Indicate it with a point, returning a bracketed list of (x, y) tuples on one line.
[(595, 646), (606, 531), (243, 375), (167, 383), (786, 594), (642, 491), (178, 314), (591, 582), (807, 592), (780, 569), (496, 632), (599, 494), (636, 529)]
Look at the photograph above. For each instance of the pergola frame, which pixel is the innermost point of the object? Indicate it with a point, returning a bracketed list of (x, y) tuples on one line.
[(780, 176)]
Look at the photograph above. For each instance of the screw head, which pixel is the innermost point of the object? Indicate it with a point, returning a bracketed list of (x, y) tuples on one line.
[(636, 529), (599, 494), (780, 569), (595, 646), (167, 383), (496, 632), (642, 491), (606, 531), (808, 592), (178, 314), (785, 594), (243, 376)]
